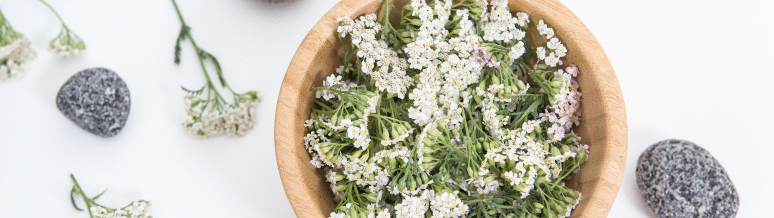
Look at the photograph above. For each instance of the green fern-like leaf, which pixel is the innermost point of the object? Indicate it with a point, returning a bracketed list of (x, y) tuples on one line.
[(181, 37), (194, 92)]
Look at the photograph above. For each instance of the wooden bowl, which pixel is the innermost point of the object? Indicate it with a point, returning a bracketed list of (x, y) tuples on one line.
[(603, 125)]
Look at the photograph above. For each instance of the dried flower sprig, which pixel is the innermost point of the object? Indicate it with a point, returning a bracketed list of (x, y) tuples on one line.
[(208, 112), (486, 130), (67, 43), (15, 51), (136, 209)]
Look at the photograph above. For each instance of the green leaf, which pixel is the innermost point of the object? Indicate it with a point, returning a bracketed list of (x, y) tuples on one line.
[(194, 92), (99, 195), (215, 63), (72, 199), (181, 37)]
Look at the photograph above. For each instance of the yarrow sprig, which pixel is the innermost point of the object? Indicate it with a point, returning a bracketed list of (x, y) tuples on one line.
[(135, 209), (451, 112), (67, 43), (208, 112), (15, 51)]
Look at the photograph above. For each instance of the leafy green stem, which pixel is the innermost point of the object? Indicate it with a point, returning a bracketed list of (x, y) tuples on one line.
[(9, 35), (80, 191), (185, 32)]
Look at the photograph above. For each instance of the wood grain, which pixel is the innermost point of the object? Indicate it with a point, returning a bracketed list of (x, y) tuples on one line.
[(603, 125)]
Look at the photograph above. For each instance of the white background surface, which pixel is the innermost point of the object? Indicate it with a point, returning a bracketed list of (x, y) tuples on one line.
[(695, 70)]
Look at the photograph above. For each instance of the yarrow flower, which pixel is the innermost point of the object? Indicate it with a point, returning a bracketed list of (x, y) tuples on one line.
[(211, 117), (15, 51), (208, 112), (66, 43), (556, 50), (487, 122), (136, 209), (414, 206), (448, 205), (378, 61)]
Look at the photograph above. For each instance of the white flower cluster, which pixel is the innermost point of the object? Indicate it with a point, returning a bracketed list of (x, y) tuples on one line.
[(501, 26), (67, 43), (447, 66), (65, 50), (350, 169), (373, 211), (138, 209), (312, 142), (234, 120), (489, 107), (529, 157), (397, 151), (359, 132), (448, 205), (376, 212), (363, 173), (555, 47), (13, 56), (378, 60), (565, 111), (414, 206)]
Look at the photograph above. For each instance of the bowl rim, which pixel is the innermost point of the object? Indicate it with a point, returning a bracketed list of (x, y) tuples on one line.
[(564, 22)]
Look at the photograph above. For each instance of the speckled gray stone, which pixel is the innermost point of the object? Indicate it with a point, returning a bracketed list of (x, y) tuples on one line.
[(680, 179), (96, 99)]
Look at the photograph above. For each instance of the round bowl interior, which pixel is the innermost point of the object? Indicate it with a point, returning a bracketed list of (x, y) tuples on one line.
[(603, 126)]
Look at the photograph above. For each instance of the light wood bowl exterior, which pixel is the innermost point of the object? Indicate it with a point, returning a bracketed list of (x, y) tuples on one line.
[(603, 125)]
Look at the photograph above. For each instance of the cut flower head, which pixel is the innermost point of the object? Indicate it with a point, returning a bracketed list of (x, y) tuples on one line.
[(15, 51), (66, 43), (208, 112)]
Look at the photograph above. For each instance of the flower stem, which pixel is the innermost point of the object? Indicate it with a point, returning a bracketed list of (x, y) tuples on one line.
[(178, 13), (199, 52), (193, 42), (57, 14), (80, 190)]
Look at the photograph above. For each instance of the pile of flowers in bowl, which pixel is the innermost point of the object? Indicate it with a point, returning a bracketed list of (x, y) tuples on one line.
[(450, 112)]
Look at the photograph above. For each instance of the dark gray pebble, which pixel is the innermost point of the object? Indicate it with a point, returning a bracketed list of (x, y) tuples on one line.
[(680, 179), (96, 99)]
